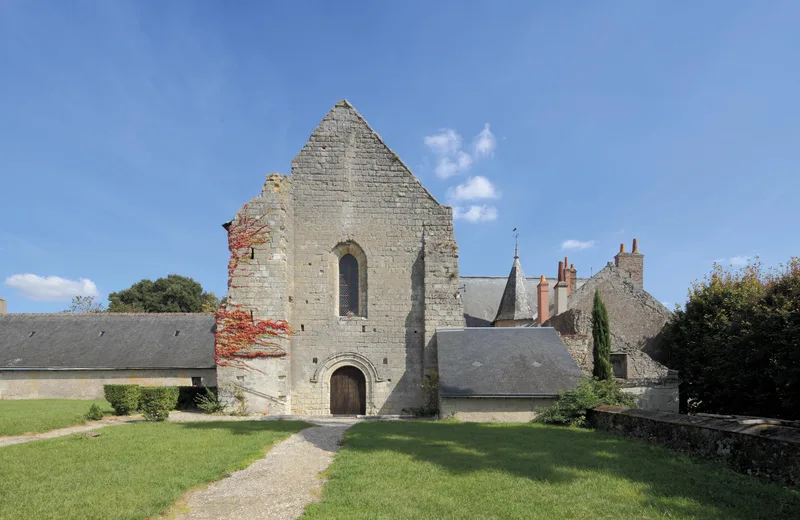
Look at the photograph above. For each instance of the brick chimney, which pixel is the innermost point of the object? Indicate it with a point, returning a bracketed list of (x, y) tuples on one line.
[(2, 306), (561, 289), (543, 300), (570, 274), (631, 263)]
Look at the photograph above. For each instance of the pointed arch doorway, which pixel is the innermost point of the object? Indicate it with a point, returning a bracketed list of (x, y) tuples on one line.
[(348, 392)]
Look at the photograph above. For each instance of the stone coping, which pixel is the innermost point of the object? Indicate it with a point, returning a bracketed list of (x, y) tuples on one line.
[(775, 429)]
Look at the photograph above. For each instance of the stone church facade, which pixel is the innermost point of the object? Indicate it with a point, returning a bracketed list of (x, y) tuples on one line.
[(362, 262)]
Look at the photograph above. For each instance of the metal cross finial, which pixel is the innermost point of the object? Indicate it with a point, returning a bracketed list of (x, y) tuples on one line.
[(516, 243)]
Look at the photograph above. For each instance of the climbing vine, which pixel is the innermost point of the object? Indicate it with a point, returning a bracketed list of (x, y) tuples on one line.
[(239, 335), (244, 234)]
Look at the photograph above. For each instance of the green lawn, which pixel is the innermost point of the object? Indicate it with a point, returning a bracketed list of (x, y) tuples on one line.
[(40, 415), (495, 471), (132, 471)]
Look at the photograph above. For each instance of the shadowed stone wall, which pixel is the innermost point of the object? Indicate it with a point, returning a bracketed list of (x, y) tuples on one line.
[(756, 446)]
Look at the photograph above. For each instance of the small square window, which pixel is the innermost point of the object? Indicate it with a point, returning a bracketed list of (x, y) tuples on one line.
[(197, 381), (619, 365), (240, 378)]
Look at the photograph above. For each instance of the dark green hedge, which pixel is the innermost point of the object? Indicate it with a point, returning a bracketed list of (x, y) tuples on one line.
[(736, 344), (187, 396), (123, 398), (156, 401)]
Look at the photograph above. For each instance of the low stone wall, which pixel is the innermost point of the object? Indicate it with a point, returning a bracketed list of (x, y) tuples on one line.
[(767, 448), (488, 409)]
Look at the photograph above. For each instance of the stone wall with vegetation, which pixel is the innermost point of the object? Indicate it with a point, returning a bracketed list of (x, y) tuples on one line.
[(767, 448)]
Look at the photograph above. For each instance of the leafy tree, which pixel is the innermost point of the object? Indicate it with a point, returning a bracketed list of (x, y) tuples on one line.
[(601, 335), (84, 304), (171, 294), (736, 344)]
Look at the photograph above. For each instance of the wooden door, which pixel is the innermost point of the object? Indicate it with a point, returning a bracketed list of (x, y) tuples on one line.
[(348, 392)]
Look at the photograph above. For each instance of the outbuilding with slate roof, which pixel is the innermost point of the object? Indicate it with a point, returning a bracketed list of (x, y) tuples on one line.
[(71, 356), (502, 373)]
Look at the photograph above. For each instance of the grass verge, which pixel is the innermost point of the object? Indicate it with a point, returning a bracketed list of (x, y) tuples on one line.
[(453, 471), (132, 471), (40, 415)]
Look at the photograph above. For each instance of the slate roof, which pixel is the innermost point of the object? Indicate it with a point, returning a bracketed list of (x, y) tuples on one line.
[(106, 341), (514, 302), (504, 362), (481, 296)]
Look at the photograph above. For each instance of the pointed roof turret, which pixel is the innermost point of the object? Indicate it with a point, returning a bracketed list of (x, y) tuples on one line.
[(514, 303)]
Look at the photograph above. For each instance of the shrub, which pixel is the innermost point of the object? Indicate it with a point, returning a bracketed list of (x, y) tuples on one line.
[(123, 398), (209, 402), (430, 389), (570, 408), (156, 402), (95, 413), (188, 395), (241, 401)]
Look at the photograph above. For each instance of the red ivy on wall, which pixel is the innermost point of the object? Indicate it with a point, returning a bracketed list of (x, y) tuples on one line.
[(244, 234), (239, 336)]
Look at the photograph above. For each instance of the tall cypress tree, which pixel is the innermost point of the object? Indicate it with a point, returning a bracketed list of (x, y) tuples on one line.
[(601, 335)]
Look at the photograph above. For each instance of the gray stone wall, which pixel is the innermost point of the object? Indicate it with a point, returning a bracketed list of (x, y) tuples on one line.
[(263, 285), (88, 384), (488, 409), (755, 446), (349, 192)]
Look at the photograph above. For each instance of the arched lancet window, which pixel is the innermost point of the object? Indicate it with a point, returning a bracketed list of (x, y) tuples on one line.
[(348, 285)]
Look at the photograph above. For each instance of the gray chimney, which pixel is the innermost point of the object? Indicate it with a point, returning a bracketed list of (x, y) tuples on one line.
[(2, 306)]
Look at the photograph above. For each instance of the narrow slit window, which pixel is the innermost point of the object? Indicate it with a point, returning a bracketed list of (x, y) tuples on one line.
[(348, 286), (252, 253)]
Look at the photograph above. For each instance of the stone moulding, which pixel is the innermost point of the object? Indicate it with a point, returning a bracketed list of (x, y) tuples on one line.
[(341, 359)]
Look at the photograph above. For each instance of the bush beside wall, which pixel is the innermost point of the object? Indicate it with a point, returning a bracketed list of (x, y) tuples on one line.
[(157, 401), (123, 398)]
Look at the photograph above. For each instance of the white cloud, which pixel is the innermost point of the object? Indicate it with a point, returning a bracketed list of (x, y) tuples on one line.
[(577, 244), (485, 142), (446, 142), (475, 213), (740, 260), (451, 159), (50, 288), (475, 188), (447, 166)]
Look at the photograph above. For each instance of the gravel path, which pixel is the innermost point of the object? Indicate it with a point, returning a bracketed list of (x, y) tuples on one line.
[(28, 437), (275, 487)]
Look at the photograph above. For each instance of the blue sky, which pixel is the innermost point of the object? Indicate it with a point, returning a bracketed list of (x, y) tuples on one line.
[(132, 130)]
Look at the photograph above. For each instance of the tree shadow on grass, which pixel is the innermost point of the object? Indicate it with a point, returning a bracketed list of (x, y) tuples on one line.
[(246, 427), (671, 483)]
